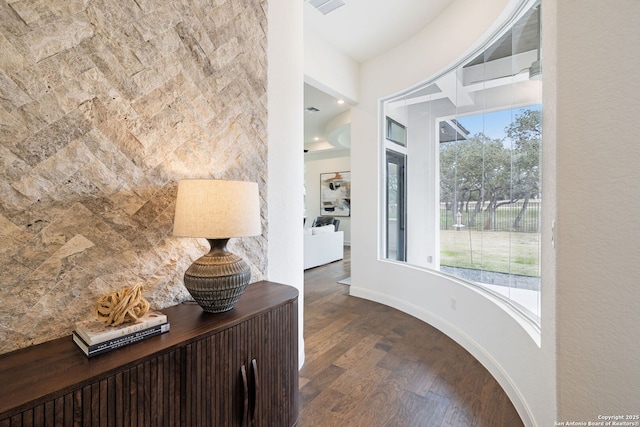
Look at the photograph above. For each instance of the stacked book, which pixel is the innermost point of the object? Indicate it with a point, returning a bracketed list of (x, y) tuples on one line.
[(94, 338)]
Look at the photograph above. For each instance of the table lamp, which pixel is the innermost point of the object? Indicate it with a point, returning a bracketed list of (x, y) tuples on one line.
[(217, 210)]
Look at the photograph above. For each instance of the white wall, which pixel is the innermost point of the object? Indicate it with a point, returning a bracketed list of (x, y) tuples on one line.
[(329, 70), (422, 197), (336, 74), (597, 251), (587, 363), (313, 169), (507, 346), (285, 130)]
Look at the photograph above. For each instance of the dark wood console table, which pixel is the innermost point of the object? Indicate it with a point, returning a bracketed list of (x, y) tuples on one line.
[(238, 368)]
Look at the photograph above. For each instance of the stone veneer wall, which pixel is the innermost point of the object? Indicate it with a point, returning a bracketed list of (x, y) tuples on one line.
[(104, 106)]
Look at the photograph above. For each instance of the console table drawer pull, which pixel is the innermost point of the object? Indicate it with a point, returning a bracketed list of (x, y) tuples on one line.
[(254, 366), (245, 405)]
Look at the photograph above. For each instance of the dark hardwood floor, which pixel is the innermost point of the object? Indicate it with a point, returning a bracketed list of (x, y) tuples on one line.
[(370, 365)]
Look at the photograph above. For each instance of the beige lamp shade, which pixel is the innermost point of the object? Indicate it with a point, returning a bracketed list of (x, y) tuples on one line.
[(217, 209)]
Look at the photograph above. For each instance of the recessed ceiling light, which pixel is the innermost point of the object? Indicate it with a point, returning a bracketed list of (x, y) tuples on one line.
[(340, 101), (316, 139)]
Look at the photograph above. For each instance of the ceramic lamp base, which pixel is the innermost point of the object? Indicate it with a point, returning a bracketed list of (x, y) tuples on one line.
[(217, 280)]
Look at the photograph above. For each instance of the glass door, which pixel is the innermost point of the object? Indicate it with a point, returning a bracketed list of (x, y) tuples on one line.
[(396, 206)]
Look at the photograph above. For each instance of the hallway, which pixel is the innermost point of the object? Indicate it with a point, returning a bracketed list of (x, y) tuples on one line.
[(368, 365)]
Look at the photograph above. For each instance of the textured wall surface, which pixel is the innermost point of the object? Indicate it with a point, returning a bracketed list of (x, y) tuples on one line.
[(104, 106)]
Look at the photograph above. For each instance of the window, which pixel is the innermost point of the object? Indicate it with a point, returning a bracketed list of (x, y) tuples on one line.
[(396, 132), (463, 186), (396, 207)]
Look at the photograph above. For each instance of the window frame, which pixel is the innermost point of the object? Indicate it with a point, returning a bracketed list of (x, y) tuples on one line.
[(402, 148)]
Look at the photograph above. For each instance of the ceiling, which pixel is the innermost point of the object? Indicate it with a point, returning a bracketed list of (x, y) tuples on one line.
[(317, 123), (361, 29)]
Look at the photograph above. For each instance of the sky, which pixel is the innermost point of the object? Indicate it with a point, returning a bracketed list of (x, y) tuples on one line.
[(492, 124)]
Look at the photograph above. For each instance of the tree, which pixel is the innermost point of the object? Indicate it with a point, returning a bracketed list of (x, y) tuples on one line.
[(525, 132), (491, 172), (476, 169)]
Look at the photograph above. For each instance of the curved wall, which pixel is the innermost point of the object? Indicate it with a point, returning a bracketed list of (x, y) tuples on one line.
[(523, 365)]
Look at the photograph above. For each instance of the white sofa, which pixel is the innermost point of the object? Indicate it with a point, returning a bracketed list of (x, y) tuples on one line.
[(322, 245)]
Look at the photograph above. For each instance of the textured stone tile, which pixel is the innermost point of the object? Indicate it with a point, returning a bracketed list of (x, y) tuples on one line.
[(11, 23), (33, 186), (74, 93), (77, 61), (103, 107), (30, 117), (61, 263), (155, 22), (58, 36), (47, 276), (12, 340), (65, 162), (39, 79), (11, 129), (184, 163), (113, 158), (34, 217), (114, 130), (167, 43), (162, 226), (156, 100), (101, 177), (115, 34), (39, 12), (156, 205), (128, 11), (144, 53), (38, 250), (125, 225), (142, 261), (168, 287), (159, 131), (121, 114), (157, 74), (39, 114), (11, 96), (60, 229), (112, 71), (127, 200), (77, 187), (11, 166), (13, 238), (12, 276), (11, 60), (196, 53), (10, 232), (148, 6), (65, 302), (201, 108), (52, 138)]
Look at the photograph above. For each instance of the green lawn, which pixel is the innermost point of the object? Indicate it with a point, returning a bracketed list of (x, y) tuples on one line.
[(515, 253)]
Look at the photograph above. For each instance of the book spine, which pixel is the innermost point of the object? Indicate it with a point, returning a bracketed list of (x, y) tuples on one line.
[(118, 342), (121, 332), (104, 347)]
